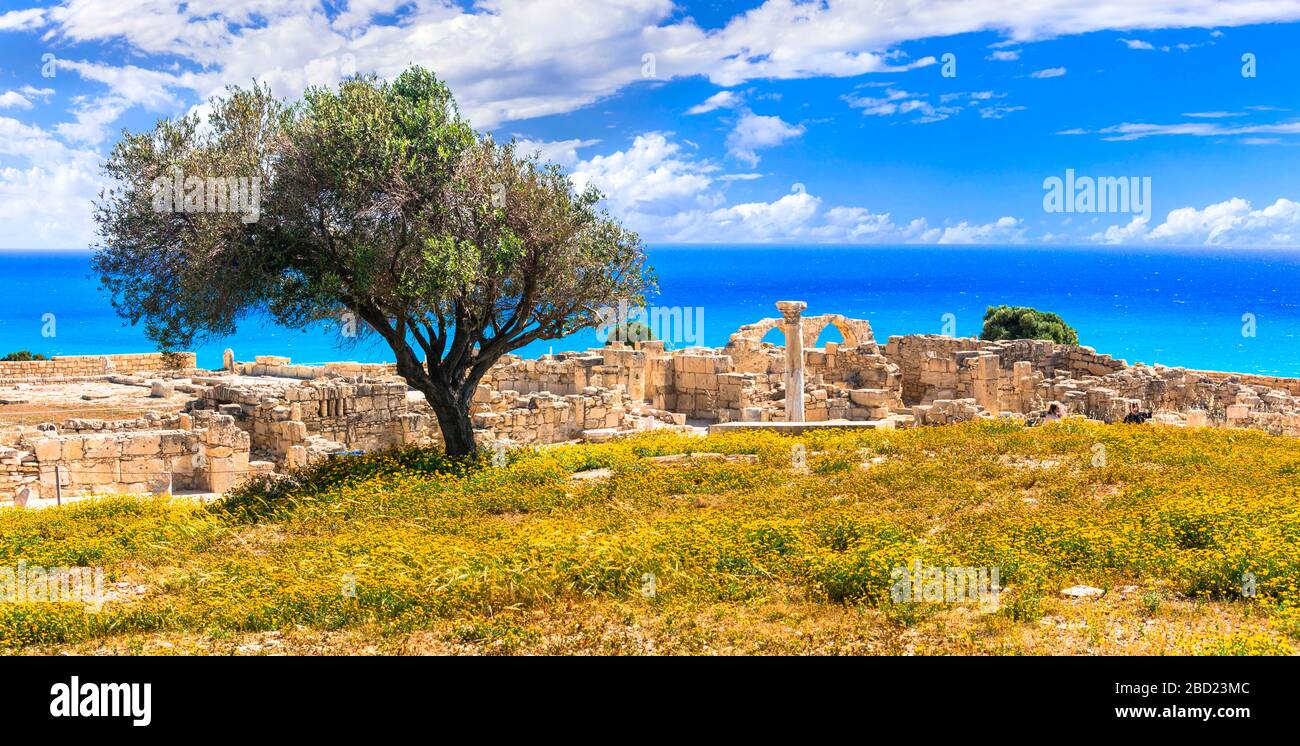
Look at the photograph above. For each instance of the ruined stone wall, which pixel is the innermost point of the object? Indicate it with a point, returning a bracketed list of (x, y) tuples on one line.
[(538, 418), (1289, 385), (213, 456), (318, 415), (563, 374), (283, 367), (938, 367), (84, 366)]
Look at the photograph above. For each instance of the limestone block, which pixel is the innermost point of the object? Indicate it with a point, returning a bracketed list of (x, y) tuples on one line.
[(49, 449), (142, 445)]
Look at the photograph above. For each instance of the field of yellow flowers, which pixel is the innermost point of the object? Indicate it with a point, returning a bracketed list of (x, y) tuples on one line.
[(745, 543)]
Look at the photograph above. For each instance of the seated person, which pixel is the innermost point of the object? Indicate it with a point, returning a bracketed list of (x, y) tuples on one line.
[(1053, 413), (1135, 416)]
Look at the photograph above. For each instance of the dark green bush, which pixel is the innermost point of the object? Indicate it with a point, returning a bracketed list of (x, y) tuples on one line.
[(263, 497), (1021, 322), (629, 332), (22, 356)]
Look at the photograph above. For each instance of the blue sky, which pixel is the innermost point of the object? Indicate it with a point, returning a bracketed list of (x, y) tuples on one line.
[(771, 122)]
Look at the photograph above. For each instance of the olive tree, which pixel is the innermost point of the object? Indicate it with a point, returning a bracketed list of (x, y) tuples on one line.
[(374, 200)]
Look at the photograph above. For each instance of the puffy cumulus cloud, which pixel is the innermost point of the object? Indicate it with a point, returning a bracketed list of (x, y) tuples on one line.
[(754, 132), (1003, 230), (1233, 222), (560, 152), (860, 225), (841, 37), (511, 60), (658, 189), (516, 59), (652, 177), (14, 100), (1051, 72), (783, 218), (22, 20), (46, 189), (1115, 234)]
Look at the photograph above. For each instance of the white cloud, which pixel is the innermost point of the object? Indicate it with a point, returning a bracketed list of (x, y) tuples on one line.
[(1003, 230), (1051, 72), (860, 225), (510, 60), (897, 101), (753, 132), (719, 100), (998, 111), (1232, 222), (1004, 55), (560, 152), (666, 195), (652, 177), (46, 191), (1136, 131), (766, 221), (516, 59), (22, 20), (14, 100), (31, 92), (1137, 44)]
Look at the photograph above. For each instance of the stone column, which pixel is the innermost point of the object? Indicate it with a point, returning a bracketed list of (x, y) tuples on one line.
[(792, 310)]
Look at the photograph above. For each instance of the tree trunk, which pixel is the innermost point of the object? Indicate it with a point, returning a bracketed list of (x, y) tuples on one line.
[(450, 395), (453, 420)]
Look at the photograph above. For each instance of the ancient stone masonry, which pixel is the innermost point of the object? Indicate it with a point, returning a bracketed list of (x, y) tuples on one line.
[(138, 424), (205, 453), (83, 366)]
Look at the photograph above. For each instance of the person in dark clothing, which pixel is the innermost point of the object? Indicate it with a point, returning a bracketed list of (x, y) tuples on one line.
[(1135, 415)]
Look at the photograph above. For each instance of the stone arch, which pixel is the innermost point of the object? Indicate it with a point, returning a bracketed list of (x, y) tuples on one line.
[(856, 332), (751, 335), (745, 346)]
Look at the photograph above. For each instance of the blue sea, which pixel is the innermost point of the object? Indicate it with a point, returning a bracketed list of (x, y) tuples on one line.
[(1190, 307)]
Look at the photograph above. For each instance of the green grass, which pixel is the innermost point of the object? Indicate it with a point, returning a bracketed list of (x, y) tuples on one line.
[(408, 552)]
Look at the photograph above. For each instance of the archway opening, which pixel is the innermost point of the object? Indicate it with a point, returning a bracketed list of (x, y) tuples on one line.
[(829, 334), (775, 336)]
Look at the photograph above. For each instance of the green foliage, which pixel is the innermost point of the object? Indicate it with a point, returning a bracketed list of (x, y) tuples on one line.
[(376, 199), (267, 496), (1021, 322), (22, 356), (629, 332), (754, 554)]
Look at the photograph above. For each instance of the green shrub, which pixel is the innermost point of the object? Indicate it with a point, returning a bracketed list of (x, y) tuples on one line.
[(1021, 322), (22, 356), (265, 496), (629, 332)]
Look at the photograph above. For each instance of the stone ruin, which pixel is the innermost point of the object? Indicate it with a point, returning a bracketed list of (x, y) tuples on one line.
[(209, 430)]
